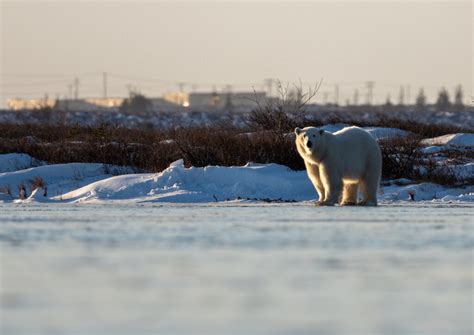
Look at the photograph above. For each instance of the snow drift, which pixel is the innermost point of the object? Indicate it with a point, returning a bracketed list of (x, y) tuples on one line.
[(15, 162), (208, 184), (57, 178)]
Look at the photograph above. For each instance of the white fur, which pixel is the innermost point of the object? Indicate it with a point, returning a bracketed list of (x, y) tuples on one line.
[(341, 164)]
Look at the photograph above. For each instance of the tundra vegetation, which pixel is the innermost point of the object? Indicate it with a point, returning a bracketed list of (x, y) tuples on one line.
[(267, 137)]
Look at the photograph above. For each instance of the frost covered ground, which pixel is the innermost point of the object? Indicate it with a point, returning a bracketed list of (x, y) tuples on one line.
[(236, 268)]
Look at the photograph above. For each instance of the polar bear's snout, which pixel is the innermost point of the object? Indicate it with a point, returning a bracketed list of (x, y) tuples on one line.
[(309, 144)]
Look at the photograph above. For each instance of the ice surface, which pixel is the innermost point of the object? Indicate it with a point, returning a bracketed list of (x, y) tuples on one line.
[(236, 269)]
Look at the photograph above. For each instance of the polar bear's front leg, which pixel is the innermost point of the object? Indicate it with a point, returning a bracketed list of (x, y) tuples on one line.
[(313, 174), (332, 185)]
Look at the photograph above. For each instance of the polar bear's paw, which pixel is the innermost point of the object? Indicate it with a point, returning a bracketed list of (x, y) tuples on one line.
[(349, 203), (368, 203), (325, 203)]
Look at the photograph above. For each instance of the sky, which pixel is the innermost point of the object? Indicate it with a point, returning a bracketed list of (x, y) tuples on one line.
[(155, 45)]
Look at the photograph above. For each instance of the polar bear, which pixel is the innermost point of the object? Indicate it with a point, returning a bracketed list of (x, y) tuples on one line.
[(340, 163)]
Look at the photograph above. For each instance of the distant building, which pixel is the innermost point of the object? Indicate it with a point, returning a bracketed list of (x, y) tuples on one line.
[(164, 104), (177, 98), (225, 100), (19, 104), (169, 101), (76, 105), (105, 102), (88, 104)]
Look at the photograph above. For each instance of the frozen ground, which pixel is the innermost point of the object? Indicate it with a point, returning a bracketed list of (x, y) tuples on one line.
[(236, 268)]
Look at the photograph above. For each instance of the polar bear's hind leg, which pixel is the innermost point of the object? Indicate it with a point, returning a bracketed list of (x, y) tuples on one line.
[(349, 194), (369, 189)]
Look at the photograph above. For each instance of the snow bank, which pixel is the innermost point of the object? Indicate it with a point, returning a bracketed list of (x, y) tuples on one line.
[(377, 132), (15, 162), (58, 178), (208, 184), (456, 140), (427, 191), (90, 182), (252, 181), (382, 133)]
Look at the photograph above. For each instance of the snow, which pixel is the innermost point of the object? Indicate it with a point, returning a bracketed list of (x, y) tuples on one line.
[(427, 191), (382, 133), (455, 140), (80, 182), (208, 184), (462, 171), (15, 162), (433, 149), (377, 132), (59, 178)]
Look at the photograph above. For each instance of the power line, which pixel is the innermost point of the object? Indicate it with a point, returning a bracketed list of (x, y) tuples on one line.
[(50, 75)]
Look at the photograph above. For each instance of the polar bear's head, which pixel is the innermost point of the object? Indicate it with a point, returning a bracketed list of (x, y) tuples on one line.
[(311, 143)]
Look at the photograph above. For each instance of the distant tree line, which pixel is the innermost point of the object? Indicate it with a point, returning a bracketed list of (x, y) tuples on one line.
[(443, 102)]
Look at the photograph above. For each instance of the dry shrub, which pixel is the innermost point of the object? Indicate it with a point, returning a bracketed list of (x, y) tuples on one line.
[(400, 156), (284, 113), (6, 190), (36, 183), (153, 149), (228, 147)]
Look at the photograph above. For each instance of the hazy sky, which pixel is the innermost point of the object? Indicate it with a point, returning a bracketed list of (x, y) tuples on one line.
[(154, 45)]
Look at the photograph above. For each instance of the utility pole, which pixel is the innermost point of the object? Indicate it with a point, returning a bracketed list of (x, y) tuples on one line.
[(181, 94), (76, 88), (104, 83), (407, 90), (336, 95), (370, 91), (228, 102), (69, 88), (356, 97), (401, 96)]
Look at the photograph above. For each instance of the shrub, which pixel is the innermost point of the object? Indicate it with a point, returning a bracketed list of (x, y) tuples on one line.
[(284, 113), (400, 156), (153, 150)]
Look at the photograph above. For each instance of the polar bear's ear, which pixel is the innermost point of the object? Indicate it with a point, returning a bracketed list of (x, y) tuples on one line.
[(321, 131), (297, 131)]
